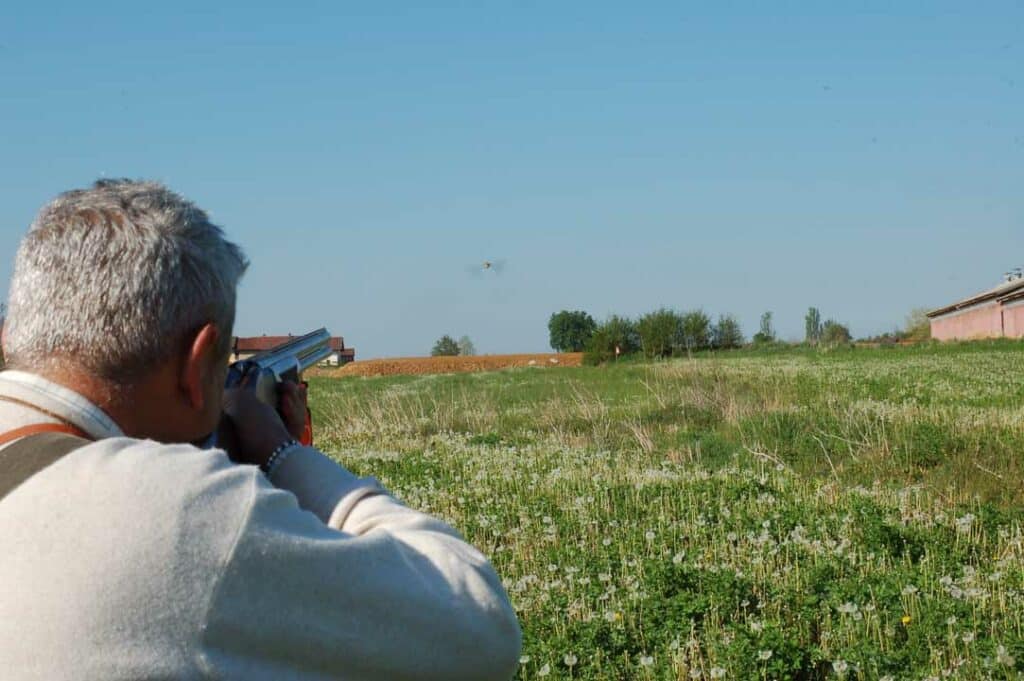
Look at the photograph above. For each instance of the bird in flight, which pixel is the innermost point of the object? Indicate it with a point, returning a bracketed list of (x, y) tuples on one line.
[(495, 266)]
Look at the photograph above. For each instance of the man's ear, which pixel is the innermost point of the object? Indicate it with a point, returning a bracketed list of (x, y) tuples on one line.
[(199, 359)]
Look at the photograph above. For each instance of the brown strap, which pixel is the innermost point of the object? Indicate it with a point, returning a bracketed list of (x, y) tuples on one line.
[(29, 455), (17, 433)]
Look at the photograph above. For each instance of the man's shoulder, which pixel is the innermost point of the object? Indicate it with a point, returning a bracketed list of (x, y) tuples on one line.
[(151, 457), (140, 478), (122, 535), (158, 457)]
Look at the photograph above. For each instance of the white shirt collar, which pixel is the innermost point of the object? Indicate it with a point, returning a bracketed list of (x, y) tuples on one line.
[(59, 401)]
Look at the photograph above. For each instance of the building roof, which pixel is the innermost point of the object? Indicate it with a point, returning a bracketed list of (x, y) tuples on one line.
[(1005, 291), (264, 343), (1011, 297)]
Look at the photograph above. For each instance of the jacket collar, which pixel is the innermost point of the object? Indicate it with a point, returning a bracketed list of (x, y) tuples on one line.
[(56, 400)]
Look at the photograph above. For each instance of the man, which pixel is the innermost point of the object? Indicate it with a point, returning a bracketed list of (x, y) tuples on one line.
[(141, 556)]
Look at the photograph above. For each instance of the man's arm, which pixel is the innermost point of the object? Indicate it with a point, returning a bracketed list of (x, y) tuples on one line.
[(332, 576), (383, 592)]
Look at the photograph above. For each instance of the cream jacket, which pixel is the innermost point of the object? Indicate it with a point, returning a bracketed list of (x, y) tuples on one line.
[(130, 559)]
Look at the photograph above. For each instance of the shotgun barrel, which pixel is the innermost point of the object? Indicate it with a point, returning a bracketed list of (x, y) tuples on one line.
[(286, 362)]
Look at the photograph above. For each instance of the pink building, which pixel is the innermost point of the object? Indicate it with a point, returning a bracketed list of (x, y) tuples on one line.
[(996, 313)]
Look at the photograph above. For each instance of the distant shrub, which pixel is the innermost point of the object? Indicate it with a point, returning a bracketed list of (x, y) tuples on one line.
[(446, 346), (569, 331), (614, 333), (660, 332), (696, 331), (833, 333), (766, 334), (918, 327), (726, 334), (812, 326), (466, 347), (889, 339)]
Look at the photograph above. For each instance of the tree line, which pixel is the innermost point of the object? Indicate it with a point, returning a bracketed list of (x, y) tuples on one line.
[(670, 333)]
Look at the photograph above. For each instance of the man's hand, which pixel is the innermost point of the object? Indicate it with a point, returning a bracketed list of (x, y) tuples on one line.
[(291, 405), (257, 427)]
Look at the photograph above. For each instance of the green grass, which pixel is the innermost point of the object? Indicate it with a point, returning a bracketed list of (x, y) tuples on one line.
[(769, 514)]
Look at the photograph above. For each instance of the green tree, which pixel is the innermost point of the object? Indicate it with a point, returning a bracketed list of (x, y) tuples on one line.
[(833, 333), (466, 347), (696, 331), (569, 331), (660, 332), (812, 326), (614, 333), (445, 347), (767, 332), (727, 334)]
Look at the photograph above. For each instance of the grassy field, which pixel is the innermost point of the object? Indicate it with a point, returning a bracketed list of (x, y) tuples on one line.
[(796, 514)]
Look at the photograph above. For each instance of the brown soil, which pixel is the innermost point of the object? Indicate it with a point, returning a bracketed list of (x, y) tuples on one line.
[(449, 365)]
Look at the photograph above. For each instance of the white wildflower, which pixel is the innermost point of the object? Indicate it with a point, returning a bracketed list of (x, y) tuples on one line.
[(963, 523)]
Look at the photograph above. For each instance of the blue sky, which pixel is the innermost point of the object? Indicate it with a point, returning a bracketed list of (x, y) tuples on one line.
[(738, 157)]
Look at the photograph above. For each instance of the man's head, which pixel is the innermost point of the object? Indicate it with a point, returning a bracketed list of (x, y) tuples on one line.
[(125, 285)]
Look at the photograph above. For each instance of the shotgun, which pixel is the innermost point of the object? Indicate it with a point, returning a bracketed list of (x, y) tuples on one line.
[(262, 372)]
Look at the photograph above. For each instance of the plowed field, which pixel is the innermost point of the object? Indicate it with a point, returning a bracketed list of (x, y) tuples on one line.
[(451, 365)]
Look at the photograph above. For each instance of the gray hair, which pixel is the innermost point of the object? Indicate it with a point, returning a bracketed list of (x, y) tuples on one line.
[(116, 277)]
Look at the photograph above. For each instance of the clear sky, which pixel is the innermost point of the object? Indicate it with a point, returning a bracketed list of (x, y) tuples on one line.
[(738, 157)]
